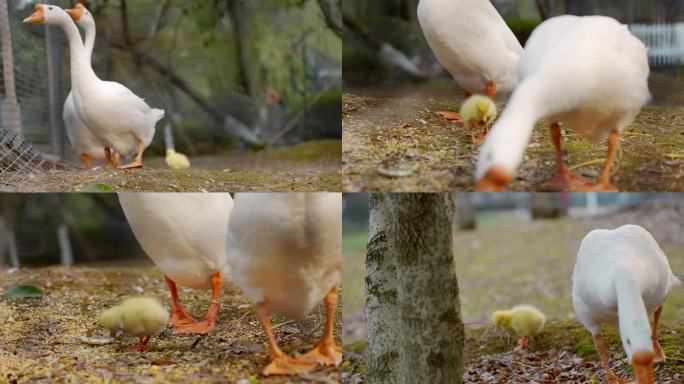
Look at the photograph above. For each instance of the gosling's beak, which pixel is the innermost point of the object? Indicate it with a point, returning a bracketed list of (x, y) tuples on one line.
[(495, 180), (76, 12), (37, 17), (642, 362)]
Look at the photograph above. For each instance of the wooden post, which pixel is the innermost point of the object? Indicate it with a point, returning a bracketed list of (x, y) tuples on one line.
[(11, 103)]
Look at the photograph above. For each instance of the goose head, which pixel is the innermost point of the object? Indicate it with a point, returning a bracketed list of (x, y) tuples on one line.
[(81, 16), (48, 14), (637, 343)]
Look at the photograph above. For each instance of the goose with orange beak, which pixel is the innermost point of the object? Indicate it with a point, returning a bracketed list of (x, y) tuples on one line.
[(621, 276), (117, 117), (594, 86)]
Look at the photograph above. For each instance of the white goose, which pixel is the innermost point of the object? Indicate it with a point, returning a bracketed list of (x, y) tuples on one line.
[(621, 277), (285, 255), (121, 120), (82, 140), (472, 41), (184, 234), (596, 86)]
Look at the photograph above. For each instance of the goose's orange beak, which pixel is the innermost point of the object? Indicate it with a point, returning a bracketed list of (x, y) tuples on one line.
[(495, 180), (38, 17), (642, 362), (77, 12)]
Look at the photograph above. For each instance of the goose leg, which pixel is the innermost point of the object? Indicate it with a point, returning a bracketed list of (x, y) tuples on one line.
[(117, 160), (603, 182), (659, 354), (209, 321), (454, 116), (87, 161), (602, 350), (280, 364), (491, 90), (326, 351), (138, 158), (108, 157), (179, 316), (564, 178)]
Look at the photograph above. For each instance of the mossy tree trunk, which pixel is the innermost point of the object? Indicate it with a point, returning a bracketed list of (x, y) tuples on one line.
[(411, 238), (382, 321), (547, 205), (465, 212)]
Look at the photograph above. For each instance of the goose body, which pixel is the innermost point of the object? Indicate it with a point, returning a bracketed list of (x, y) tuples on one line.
[(183, 233), (80, 136), (472, 41), (589, 73), (116, 116), (284, 250), (620, 278)]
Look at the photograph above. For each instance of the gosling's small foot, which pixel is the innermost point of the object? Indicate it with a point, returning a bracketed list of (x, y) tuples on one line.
[(659, 354), (287, 366), (452, 116), (325, 354), (523, 343), (477, 140), (134, 165), (596, 187), (200, 327), (617, 380), (564, 181), (136, 348)]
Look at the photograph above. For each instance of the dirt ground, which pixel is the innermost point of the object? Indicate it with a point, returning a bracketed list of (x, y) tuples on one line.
[(42, 338), (394, 131), (492, 275), (312, 166)]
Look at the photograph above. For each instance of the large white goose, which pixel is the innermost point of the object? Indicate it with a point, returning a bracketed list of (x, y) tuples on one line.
[(589, 73), (82, 140), (621, 277), (121, 120), (285, 255), (472, 41), (185, 235)]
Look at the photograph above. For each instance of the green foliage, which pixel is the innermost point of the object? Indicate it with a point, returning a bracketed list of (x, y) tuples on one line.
[(522, 28), (23, 291)]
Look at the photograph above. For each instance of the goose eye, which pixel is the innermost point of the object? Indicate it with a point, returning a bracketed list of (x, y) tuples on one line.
[(50, 8), (629, 343)]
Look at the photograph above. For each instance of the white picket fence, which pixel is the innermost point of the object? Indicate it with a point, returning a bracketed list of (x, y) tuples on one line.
[(665, 42)]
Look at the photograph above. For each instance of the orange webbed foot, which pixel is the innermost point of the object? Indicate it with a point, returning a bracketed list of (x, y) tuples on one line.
[(596, 187), (287, 366), (566, 181), (452, 116), (325, 354), (180, 318), (133, 165), (200, 327)]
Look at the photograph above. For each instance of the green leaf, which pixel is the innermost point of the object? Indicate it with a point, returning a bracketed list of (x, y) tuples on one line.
[(24, 290), (99, 188)]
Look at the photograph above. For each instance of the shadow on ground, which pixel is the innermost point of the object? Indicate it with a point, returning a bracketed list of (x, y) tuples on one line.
[(42, 337)]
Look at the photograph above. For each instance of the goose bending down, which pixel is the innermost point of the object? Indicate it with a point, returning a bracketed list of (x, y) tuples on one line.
[(595, 86), (82, 140), (285, 255), (121, 120), (472, 41), (184, 234), (621, 276)]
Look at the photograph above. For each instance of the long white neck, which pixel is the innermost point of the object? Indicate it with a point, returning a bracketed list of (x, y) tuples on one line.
[(633, 318), (510, 135), (81, 71), (90, 34)]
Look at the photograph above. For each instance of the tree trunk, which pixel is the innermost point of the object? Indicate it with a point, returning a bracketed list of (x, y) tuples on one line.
[(412, 235), (465, 212), (332, 13), (236, 9), (382, 322), (10, 102), (547, 205)]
